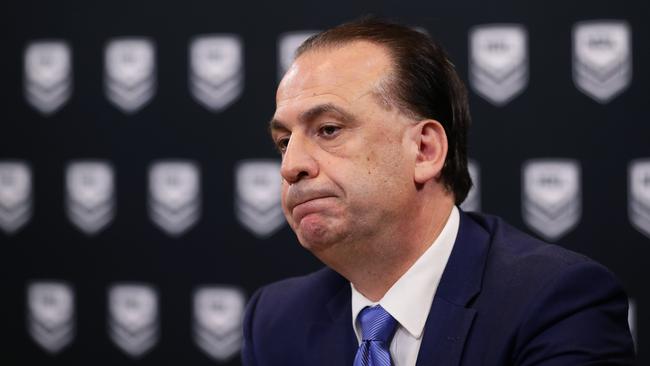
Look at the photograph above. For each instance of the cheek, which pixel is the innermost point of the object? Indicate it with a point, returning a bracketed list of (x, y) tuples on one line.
[(376, 175), (387, 172)]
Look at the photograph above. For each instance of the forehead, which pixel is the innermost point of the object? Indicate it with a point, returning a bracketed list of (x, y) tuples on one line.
[(342, 73)]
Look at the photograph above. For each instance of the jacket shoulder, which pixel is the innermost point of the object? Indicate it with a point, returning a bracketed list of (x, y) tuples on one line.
[(534, 293), (512, 249)]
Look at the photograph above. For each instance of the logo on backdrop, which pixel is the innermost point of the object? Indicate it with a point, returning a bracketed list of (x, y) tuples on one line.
[(90, 195), (498, 64), (639, 195), (257, 199), (133, 318), (216, 70), (174, 195), (551, 196), (602, 58), (287, 45), (15, 195), (130, 73), (50, 315), (218, 316), (473, 200), (48, 75)]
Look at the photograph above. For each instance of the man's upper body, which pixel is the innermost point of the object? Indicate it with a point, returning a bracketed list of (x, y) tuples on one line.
[(504, 299), (371, 121)]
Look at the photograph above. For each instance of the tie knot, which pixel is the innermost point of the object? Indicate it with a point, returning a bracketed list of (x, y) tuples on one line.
[(376, 324)]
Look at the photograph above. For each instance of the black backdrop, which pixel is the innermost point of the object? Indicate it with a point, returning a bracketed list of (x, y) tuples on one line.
[(550, 119)]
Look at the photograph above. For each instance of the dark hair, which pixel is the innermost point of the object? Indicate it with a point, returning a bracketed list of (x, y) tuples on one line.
[(424, 85)]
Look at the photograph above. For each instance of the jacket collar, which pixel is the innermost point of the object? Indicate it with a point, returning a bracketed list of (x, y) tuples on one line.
[(450, 318)]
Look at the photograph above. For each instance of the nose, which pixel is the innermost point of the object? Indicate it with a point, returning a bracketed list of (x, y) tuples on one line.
[(298, 161)]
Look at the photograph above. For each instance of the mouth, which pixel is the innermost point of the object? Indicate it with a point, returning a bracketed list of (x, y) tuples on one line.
[(308, 199), (312, 205), (298, 195)]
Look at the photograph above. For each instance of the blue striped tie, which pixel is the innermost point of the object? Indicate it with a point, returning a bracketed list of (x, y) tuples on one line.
[(377, 329)]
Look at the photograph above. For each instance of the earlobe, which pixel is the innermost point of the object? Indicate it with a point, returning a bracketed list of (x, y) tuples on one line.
[(432, 150)]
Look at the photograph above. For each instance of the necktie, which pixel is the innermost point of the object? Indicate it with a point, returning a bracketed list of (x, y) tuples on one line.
[(377, 329)]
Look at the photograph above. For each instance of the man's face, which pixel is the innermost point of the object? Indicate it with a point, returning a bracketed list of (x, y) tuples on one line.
[(347, 158)]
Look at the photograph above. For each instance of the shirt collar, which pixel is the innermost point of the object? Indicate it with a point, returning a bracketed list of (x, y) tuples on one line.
[(409, 299)]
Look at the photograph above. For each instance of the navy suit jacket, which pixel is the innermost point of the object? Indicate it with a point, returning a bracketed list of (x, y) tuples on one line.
[(505, 298)]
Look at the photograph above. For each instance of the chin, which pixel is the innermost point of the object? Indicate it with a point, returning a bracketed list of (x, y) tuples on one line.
[(317, 238), (317, 232)]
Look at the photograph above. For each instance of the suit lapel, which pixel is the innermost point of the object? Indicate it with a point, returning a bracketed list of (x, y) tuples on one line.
[(449, 320), (331, 340)]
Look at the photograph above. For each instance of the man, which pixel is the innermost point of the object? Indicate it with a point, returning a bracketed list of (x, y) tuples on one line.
[(371, 121)]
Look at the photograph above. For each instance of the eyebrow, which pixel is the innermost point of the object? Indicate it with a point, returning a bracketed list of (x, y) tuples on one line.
[(313, 113)]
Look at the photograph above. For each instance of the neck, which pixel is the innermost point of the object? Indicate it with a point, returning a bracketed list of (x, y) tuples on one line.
[(374, 265)]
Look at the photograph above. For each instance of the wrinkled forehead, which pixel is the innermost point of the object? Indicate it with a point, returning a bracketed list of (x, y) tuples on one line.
[(349, 71)]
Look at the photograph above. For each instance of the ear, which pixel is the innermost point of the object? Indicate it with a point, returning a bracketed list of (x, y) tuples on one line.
[(432, 150)]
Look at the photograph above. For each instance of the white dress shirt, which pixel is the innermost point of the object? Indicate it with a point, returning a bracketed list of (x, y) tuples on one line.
[(409, 299)]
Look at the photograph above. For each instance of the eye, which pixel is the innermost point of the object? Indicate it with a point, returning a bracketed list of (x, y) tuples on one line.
[(281, 144), (329, 130)]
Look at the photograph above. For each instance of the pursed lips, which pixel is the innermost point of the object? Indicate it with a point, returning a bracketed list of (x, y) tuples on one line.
[(306, 201), (307, 207), (310, 199)]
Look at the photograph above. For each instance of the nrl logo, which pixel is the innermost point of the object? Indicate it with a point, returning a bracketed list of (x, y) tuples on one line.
[(473, 200), (133, 318), (216, 70), (174, 195), (551, 196), (130, 73), (288, 43), (217, 324), (257, 200), (50, 315), (90, 202), (639, 195), (48, 75), (498, 64), (15, 195), (602, 58)]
